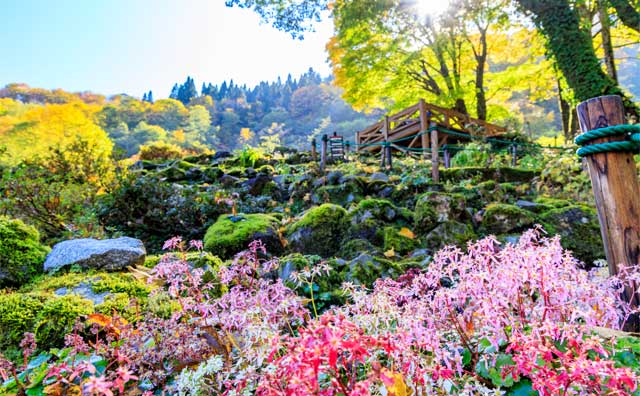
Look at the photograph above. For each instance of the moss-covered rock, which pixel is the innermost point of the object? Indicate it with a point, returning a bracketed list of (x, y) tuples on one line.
[(368, 219), (500, 174), (366, 269), (505, 218), (433, 208), (319, 231), (579, 230), (342, 194), (352, 248), (21, 254), (449, 233), (398, 241), (232, 234), (47, 316)]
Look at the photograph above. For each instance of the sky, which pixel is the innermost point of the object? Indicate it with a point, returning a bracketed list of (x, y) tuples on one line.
[(120, 46)]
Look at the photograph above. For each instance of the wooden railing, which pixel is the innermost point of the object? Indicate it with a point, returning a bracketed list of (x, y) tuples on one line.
[(415, 121)]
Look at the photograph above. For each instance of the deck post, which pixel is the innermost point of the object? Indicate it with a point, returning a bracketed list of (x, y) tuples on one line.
[(615, 185), (447, 158), (357, 142), (424, 126), (389, 164), (514, 156), (435, 171), (323, 152), (314, 152)]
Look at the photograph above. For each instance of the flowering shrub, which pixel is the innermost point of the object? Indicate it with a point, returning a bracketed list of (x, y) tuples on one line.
[(514, 319)]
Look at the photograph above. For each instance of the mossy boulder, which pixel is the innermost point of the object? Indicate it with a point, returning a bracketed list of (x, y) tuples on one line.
[(504, 218), (579, 231), (319, 231), (401, 243), (449, 233), (368, 219), (352, 248), (500, 174), (433, 208), (21, 254), (366, 269), (232, 234), (342, 194), (47, 316)]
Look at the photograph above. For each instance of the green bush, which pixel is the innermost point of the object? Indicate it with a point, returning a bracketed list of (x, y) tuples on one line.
[(47, 316), (159, 151), (21, 254), (154, 211)]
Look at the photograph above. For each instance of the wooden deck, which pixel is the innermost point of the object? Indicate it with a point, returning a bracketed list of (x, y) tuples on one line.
[(418, 118)]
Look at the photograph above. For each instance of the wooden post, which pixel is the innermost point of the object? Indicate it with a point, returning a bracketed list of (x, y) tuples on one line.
[(386, 153), (424, 125), (514, 155), (383, 156), (617, 193), (357, 142), (389, 164), (314, 153), (447, 158), (323, 152), (435, 172)]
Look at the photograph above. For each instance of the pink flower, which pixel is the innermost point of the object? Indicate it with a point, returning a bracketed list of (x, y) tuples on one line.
[(98, 386)]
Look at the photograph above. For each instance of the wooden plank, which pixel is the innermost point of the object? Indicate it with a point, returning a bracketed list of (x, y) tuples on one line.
[(616, 189)]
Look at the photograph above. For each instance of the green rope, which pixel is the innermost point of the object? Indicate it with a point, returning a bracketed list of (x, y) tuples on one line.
[(631, 132)]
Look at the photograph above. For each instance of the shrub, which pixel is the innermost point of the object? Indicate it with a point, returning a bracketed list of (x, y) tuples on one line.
[(149, 209), (21, 254), (160, 151), (47, 316)]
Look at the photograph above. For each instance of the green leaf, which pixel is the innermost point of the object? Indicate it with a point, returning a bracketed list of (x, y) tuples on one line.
[(38, 360), (37, 391), (522, 388)]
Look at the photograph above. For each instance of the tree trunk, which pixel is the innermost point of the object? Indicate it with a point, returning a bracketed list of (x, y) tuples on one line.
[(605, 34), (572, 50), (461, 107), (565, 113), (627, 13), (481, 62)]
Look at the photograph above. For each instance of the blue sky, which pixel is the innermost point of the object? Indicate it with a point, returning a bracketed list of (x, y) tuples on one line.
[(114, 46)]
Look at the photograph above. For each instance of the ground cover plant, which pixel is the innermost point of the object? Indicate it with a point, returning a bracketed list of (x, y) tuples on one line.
[(497, 319)]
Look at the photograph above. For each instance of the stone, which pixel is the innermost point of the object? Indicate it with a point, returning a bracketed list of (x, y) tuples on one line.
[(379, 176), (228, 180), (221, 154), (579, 230), (433, 208), (84, 290), (232, 234), (87, 253), (319, 231), (449, 233), (505, 219)]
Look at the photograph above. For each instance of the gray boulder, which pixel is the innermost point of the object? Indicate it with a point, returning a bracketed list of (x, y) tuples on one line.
[(108, 254)]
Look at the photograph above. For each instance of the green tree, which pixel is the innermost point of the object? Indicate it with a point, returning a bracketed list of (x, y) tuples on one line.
[(572, 50), (170, 114), (198, 124)]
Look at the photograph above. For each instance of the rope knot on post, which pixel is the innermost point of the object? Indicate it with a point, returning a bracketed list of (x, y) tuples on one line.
[(631, 144)]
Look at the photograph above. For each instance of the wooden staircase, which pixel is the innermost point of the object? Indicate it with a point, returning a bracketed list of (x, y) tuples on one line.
[(336, 147)]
